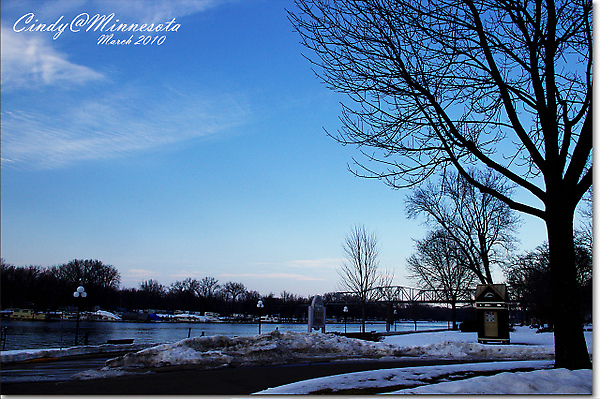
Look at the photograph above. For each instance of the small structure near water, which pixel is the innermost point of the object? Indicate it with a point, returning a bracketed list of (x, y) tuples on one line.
[(492, 313)]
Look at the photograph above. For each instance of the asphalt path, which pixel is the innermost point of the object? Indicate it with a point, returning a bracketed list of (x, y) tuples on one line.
[(224, 381)]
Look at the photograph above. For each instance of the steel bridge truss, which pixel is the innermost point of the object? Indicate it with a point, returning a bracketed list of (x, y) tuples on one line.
[(401, 294)]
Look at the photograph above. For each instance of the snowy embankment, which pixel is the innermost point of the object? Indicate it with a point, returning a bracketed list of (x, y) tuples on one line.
[(270, 348), (467, 378), (293, 347), (497, 377), (528, 351), (22, 355)]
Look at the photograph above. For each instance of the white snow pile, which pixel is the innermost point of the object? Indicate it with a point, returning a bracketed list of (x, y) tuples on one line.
[(400, 379), (555, 381), (450, 379), (525, 344), (469, 378), (528, 352), (293, 347), (269, 348), (22, 355), (470, 350)]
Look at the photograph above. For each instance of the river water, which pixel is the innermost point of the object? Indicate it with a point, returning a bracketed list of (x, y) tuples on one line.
[(61, 334)]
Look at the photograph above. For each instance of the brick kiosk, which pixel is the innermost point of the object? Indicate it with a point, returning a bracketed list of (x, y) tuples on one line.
[(492, 313)]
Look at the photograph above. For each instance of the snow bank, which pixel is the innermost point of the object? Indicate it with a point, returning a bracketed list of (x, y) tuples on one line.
[(293, 347), (51, 353), (388, 380), (555, 381), (460, 378), (525, 344), (269, 348), (464, 350)]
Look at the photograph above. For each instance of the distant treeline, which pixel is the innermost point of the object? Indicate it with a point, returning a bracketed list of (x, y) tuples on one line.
[(51, 288)]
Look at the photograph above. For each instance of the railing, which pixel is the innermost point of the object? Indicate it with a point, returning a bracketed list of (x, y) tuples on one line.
[(401, 294)]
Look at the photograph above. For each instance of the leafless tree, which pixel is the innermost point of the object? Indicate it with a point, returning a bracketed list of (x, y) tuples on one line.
[(233, 290), (359, 272), (207, 287), (89, 273), (585, 233), (438, 265), (153, 287), (481, 225), (504, 85)]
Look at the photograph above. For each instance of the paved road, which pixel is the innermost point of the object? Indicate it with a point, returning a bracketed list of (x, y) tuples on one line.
[(229, 381), (43, 370)]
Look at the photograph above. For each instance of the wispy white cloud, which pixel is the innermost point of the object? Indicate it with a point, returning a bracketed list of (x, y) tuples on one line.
[(116, 124), (183, 274), (332, 263), (30, 61), (133, 277), (279, 276), (83, 120), (155, 10), (144, 11), (327, 263)]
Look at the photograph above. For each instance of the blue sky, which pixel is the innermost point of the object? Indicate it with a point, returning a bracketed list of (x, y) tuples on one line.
[(203, 156)]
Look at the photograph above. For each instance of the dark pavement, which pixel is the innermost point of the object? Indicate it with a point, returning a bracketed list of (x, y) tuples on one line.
[(226, 381)]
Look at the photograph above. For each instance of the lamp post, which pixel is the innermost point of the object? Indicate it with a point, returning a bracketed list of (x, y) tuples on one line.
[(345, 317), (79, 293), (259, 305), (395, 312)]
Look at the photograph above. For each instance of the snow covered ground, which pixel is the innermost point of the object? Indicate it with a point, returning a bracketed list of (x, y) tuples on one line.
[(523, 367), (455, 379), (21, 355), (508, 377)]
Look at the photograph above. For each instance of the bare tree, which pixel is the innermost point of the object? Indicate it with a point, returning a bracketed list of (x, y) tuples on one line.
[(586, 230), (359, 272), (528, 274), (481, 225), (438, 265), (90, 273), (185, 293), (503, 85), (233, 290), (207, 287), (153, 291)]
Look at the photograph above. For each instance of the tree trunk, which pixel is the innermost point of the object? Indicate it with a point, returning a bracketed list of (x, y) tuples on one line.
[(364, 312), (569, 341), (454, 325), (389, 316)]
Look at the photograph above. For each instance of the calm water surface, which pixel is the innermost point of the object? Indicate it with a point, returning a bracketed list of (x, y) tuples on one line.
[(56, 334)]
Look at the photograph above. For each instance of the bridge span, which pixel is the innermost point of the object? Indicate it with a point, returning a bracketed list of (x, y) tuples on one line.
[(402, 294)]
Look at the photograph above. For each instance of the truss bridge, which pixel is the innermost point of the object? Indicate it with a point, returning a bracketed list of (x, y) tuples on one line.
[(401, 294)]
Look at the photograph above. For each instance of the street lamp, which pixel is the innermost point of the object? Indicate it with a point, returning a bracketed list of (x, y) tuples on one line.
[(79, 293), (395, 312), (345, 316), (259, 305)]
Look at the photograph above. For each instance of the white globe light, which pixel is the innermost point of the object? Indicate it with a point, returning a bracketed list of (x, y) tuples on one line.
[(83, 294), (80, 289), (76, 294)]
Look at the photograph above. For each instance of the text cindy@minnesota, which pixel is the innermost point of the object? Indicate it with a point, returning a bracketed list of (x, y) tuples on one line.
[(102, 23)]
